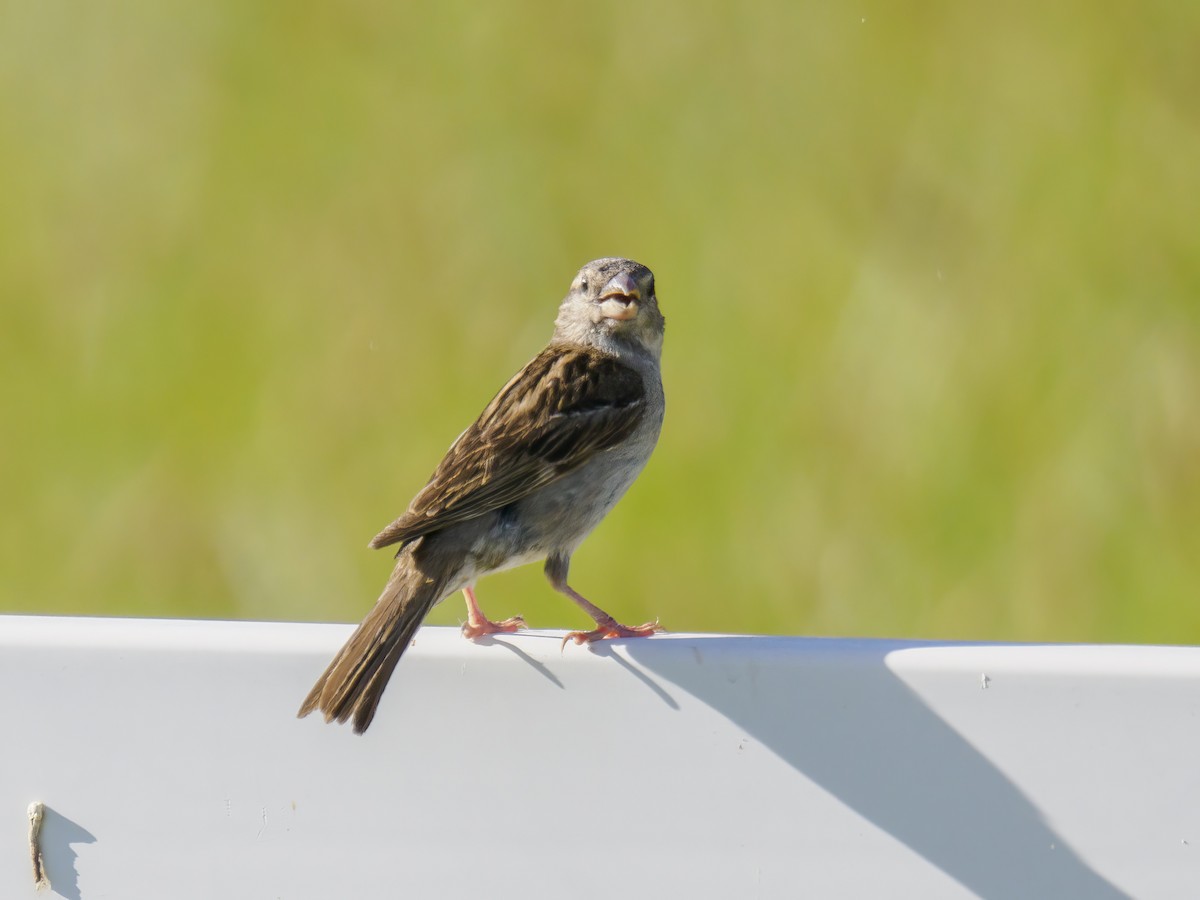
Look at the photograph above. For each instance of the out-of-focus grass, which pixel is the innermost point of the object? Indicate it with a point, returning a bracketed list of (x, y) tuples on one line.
[(932, 280)]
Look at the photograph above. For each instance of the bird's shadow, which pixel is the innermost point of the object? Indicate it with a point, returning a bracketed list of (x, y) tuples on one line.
[(490, 640), (606, 649), (849, 724), (57, 836)]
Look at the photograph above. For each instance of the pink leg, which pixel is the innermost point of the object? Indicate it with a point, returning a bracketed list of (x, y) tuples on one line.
[(606, 626), (478, 624)]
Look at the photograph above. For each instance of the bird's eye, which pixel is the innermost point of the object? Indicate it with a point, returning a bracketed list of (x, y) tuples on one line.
[(583, 284)]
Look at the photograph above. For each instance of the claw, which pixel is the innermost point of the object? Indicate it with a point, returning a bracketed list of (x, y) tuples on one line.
[(481, 627), (609, 630), (478, 624)]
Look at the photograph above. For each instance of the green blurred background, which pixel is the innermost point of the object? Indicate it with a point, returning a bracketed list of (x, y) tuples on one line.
[(931, 274)]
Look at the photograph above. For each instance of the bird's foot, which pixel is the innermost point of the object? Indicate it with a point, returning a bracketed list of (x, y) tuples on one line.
[(611, 628), (479, 627)]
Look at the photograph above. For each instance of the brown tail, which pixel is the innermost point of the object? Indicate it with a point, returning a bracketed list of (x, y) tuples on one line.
[(354, 681)]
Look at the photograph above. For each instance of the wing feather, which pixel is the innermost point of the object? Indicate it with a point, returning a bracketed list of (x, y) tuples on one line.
[(566, 405)]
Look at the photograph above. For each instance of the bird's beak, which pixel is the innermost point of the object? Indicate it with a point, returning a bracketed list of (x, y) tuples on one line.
[(619, 299)]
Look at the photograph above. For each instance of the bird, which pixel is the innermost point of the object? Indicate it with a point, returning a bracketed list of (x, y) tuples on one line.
[(544, 463)]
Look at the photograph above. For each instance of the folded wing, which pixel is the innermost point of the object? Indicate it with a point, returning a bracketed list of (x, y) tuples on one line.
[(565, 406)]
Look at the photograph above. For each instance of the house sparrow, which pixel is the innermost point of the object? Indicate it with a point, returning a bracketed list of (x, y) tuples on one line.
[(537, 471)]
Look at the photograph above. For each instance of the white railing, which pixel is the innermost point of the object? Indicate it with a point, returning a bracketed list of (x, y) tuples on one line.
[(171, 765)]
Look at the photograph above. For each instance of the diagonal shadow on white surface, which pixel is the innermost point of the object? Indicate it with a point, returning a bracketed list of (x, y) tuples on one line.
[(864, 736)]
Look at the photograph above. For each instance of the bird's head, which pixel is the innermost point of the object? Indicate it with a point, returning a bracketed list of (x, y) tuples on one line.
[(612, 303)]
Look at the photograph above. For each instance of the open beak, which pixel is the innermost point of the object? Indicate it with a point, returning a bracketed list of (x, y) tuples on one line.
[(619, 299)]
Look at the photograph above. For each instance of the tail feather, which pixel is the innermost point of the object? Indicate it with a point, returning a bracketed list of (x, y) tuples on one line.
[(353, 683)]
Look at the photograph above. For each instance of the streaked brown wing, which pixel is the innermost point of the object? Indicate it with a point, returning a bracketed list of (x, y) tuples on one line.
[(566, 405)]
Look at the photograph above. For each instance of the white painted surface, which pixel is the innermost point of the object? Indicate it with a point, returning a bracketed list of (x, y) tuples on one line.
[(171, 766)]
